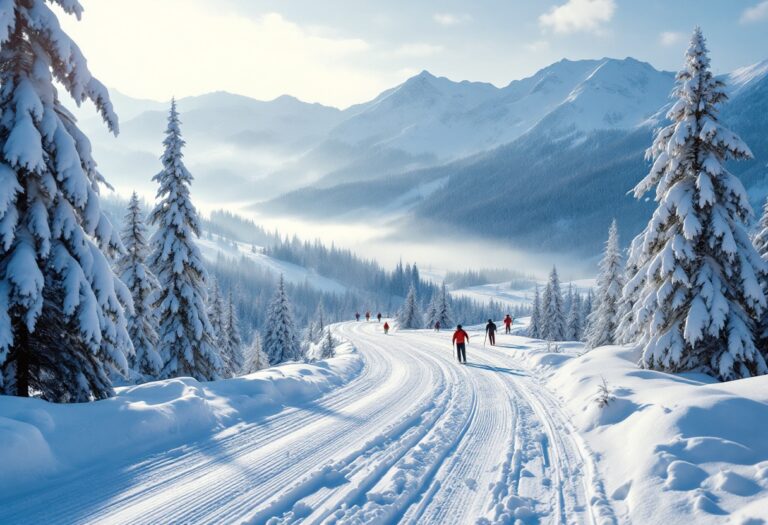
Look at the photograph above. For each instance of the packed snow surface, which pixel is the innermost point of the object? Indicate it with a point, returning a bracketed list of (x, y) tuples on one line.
[(398, 432)]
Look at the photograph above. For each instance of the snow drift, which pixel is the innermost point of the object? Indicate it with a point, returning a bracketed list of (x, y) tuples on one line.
[(39, 439)]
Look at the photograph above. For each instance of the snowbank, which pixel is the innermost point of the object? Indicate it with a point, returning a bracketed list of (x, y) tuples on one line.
[(40, 439), (671, 448)]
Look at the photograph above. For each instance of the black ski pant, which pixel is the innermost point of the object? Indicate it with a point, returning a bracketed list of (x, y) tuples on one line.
[(492, 338), (461, 352), (508, 330)]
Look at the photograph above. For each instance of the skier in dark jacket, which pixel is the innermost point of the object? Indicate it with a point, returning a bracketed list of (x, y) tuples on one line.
[(378, 316), (437, 326), (460, 339), (357, 316), (490, 329)]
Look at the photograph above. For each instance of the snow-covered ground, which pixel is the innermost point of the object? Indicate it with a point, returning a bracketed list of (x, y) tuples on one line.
[(505, 294), (398, 432), (293, 273)]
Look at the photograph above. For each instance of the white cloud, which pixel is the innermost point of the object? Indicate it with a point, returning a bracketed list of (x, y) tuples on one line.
[(578, 15), (451, 19), (671, 38), (755, 13), (209, 49), (416, 50)]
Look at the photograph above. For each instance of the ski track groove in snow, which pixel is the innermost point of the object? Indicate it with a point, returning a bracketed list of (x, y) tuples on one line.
[(415, 438)]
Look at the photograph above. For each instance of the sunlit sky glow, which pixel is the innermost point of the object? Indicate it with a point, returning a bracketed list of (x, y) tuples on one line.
[(340, 53)]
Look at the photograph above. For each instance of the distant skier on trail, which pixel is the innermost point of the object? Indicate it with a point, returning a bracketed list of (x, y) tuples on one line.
[(508, 324), (460, 339), (490, 330), (357, 316), (367, 316), (437, 326), (378, 317), (386, 328)]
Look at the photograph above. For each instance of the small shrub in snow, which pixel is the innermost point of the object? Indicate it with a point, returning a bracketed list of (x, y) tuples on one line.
[(604, 396)]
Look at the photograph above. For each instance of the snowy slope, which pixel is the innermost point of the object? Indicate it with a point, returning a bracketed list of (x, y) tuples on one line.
[(293, 273)]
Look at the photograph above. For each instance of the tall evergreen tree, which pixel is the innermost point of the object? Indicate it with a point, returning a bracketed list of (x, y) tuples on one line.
[(234, 343), (327, 346), (535, 329), (255, 359), (409, 316), (187, 343), (280, 342), (62, 323), (134, 272), (440, 309), (603, 323), (552, 314), (574, 328), (696, 286), (217, 317)]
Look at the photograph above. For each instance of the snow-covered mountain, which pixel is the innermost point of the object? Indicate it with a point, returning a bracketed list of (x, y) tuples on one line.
[(575, 130)]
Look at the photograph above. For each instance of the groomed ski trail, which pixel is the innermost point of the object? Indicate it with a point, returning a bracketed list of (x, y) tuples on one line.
[(416, 438)]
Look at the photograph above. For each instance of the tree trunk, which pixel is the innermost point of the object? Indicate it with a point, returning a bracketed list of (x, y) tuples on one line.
[(22, 361)]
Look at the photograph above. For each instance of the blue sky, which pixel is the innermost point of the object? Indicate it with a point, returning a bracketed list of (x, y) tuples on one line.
[(340, 52)]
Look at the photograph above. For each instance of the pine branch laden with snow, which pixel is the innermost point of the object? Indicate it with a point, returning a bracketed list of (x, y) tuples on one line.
[(187, 341), (552, 314), (604, 321), (696, 292), (55, 240), (409, 316), (134, 272), (534, 328), (280, 342)]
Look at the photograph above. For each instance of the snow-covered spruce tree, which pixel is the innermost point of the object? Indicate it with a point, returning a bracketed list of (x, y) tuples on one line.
[(574, 328), (409, 316), (280, 341), (696, 292), (552, 314), (440, 309), (429, 314), (255, 359), (187, 343), (216, 316), (327, 346), (316, 328), (233, 346), (62, 323), (134, 272), (760, 242), (603, 322), (534, 328)]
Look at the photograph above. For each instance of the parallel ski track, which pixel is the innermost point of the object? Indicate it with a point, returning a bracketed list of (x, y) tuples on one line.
[(415, 438)]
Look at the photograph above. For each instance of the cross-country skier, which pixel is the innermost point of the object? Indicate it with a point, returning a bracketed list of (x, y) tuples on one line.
[(378, 316), (367, 316), (508, 324), (490, 329), (357, 316), (460, 339), (386, 328), (437, 326)]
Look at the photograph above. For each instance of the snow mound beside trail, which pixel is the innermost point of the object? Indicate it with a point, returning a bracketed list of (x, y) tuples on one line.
[(40, 439), (670, 447)]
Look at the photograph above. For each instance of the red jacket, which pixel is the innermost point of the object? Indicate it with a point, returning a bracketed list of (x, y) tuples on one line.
[(459, 336)]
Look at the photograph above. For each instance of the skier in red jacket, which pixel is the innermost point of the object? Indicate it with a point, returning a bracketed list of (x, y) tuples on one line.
[(460, 339), (508, 324), (386, 328)]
